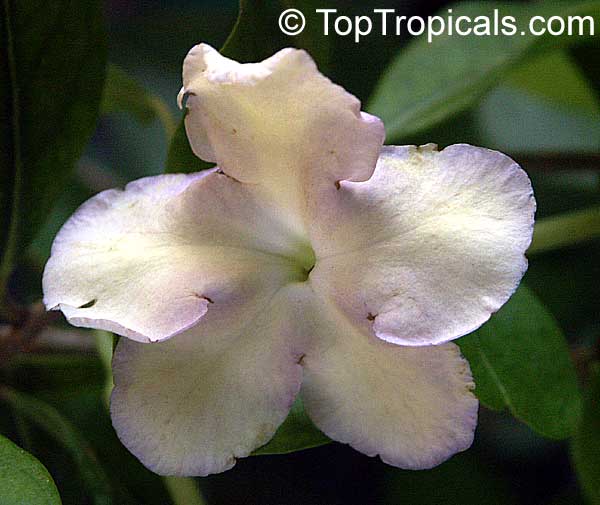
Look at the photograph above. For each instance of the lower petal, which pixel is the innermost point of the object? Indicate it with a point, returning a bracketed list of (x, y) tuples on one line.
[(194, 404), (412, 406)]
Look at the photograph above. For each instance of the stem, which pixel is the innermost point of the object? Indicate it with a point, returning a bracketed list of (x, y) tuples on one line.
[(104, 347), (565, 229), (184, 491)]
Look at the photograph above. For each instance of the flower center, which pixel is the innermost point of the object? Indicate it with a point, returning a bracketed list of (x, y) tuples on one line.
[(306, 259)]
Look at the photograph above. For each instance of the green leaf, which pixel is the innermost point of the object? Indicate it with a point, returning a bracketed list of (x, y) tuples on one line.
[(556, 78), (296, 433), (85, 410), (123, 93), (586, 442), (51, 421), (520, 361), (255, 36), (566, 230), (428, 83), (23, 479), (53, 55)]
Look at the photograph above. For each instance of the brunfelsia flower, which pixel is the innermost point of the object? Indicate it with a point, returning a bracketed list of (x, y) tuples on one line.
[(312, 262)]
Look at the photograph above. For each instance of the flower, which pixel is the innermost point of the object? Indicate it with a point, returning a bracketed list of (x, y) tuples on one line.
[(312, 261)]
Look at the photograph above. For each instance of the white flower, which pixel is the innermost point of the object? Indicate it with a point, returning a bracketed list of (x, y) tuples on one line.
[(312, 261)]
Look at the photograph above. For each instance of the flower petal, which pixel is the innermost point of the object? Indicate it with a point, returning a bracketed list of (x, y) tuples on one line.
[(412, 406), (278, 123), (429, 247), (147, 262), (193, 404)]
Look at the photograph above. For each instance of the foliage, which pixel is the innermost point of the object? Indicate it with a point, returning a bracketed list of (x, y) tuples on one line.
[(296, 433), (123, 93), (50, 420), (586, 444), (429, 82), (54, 58), (520, 361), (23, 479)]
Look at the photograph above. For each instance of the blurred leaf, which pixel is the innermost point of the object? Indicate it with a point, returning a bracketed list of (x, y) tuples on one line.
[(50, 420), (555, 77), (588, 59), (23, 479), (87, 411), (74, 385), (54, 57), (566, 280), (565, 230), (131, 482), (56, 371), (255, 36), (514, 121), (461, 480), (296, 433), (520, 361), (586, 442), (123, 93), (565, 190), (73, 195), (428, 83)]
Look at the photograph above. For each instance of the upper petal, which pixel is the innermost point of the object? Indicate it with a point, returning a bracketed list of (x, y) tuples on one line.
[(278, 123), (194, 404), (429, 247), (148, 261)]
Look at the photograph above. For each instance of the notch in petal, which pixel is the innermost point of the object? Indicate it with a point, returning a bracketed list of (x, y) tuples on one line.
[(196, 403), (412, 406), (427, 249), (278, 123), (149, 261)]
